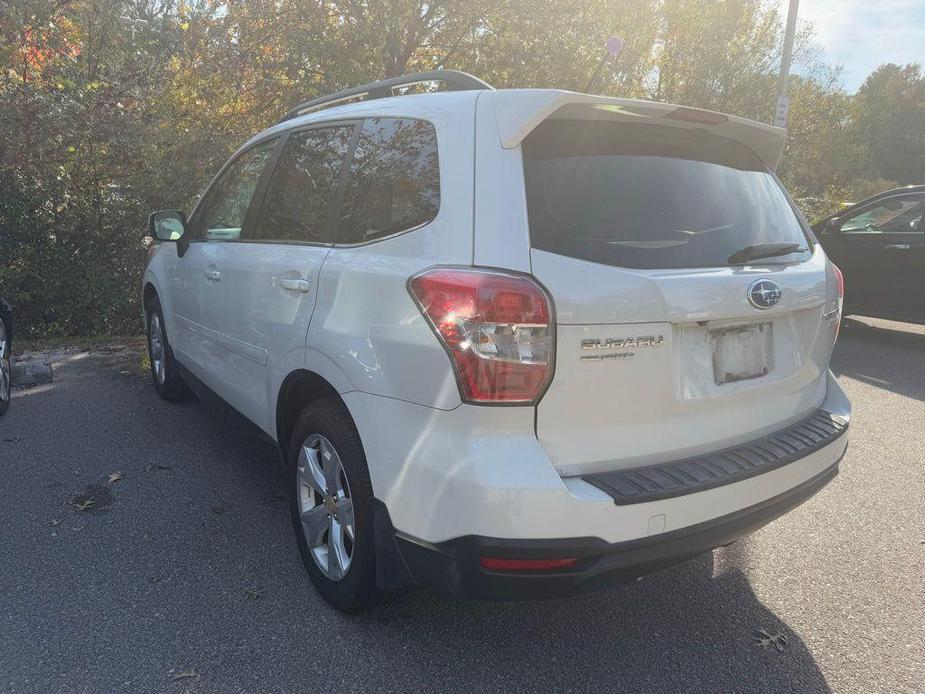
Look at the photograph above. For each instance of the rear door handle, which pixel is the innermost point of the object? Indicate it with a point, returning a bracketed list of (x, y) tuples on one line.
[(213, 275), (294, 285), (898, 246)]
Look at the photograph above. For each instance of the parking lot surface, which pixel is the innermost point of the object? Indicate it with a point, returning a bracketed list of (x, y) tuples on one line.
[(146, 548)]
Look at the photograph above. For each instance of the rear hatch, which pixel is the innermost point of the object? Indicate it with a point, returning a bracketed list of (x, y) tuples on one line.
[(670, 341)]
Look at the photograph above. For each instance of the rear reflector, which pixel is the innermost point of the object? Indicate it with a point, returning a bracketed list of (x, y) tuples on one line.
[(840, 281), (496, 564), (497, 328)]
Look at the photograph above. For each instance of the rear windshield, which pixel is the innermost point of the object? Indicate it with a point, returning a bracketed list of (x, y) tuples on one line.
[(644, 196)]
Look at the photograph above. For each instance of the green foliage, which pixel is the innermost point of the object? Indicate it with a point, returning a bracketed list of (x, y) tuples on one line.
[(112, 108)]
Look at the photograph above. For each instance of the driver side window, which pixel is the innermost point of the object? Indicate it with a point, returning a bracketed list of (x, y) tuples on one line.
[(225, 206), (898, 215)]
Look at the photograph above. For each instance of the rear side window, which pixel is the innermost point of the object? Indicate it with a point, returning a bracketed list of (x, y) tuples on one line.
[(302, 187), (394, 180), (896, 215), (646, 196)]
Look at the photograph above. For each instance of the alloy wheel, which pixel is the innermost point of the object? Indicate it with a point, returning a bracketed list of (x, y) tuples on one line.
[(325, 506), (156, 346)]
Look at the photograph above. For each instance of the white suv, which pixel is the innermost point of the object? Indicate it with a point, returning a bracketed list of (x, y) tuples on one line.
[(513, 343)]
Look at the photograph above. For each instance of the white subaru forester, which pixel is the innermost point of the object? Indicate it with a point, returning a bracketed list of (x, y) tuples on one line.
[(511, 343)]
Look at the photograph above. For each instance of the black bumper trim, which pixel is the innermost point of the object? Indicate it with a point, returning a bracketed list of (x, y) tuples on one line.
[(697, 474), (453, 566)]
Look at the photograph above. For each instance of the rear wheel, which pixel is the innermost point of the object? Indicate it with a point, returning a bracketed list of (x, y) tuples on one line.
[(331, 506), (164, 372), (5, 369)]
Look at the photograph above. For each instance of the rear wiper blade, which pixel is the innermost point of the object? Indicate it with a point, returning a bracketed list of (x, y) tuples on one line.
[(763, 250)]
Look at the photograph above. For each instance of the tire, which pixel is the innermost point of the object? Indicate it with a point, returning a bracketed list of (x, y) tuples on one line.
[(343, 486), (164, 373), (6, 385)]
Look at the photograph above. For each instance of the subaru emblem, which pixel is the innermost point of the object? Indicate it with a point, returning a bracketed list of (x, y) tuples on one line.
[(764, 293)]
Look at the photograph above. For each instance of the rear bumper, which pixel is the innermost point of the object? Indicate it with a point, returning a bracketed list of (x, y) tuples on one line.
[(454, 565), (456, 486), (480, 471)]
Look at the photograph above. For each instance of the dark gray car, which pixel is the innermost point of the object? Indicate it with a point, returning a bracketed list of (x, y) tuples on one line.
[(879, 244)]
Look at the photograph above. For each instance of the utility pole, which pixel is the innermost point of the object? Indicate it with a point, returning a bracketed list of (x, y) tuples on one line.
[(783, 101), (614, 46)]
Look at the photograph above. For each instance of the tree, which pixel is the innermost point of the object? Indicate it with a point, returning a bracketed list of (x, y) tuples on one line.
[(889, 118), (112, 108)]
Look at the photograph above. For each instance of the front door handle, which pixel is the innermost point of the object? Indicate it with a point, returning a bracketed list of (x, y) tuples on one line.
[(213, 275), (898, 247), (294, 285)]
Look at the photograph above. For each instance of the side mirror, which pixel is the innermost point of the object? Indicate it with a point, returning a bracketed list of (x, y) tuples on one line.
[(167, 225), (833, 226)]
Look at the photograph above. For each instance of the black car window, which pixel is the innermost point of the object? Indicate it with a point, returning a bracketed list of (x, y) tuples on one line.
[(394, 180), (895, 215), (651, 196), (224, 208), (302, 187)]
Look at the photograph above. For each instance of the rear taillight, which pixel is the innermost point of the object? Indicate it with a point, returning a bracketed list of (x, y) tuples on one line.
[(497, 328)]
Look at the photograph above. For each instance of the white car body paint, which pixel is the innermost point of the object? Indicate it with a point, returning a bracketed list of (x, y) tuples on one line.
[(445, 469)]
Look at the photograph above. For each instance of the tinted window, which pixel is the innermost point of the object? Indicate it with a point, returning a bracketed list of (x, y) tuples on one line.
[(302, 187), (898, 215), (394, 181), (646, 196), (222, 213)]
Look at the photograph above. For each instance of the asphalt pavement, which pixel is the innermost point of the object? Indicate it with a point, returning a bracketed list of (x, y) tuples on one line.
[(145, 547)]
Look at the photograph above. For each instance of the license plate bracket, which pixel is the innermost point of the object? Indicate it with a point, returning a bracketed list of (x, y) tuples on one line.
[(742, 352)]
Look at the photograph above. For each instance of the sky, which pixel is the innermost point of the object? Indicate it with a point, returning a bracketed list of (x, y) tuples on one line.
[(859, 35)]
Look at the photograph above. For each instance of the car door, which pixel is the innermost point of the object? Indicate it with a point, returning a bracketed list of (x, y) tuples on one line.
[(196, 278), (879, 249), (269, 278)]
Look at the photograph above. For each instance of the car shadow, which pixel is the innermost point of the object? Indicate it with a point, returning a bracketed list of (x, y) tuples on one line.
[(694, 627), (882, 354)]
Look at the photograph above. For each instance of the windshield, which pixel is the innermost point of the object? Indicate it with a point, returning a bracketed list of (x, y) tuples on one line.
[(645, 196)]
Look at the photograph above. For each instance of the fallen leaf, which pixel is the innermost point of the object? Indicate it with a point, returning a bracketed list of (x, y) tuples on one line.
[(217, 510), (766, 640), (159, 466), (115, 477), (85, 504), (190, 674), (255, 592)]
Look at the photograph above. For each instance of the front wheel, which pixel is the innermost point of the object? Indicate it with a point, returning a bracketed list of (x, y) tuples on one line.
[(164, 372), (331, 507)]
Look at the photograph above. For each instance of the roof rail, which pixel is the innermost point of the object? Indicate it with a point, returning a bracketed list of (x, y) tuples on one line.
[(453, 79)]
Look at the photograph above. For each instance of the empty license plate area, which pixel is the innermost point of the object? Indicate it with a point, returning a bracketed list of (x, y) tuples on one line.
[(742, 352)]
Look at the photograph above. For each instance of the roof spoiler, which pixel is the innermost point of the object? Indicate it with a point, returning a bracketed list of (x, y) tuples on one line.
[(519, 112)]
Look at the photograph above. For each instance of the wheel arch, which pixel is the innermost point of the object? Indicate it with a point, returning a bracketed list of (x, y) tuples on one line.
[(147, 294), (149, 291), (299, 389)]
